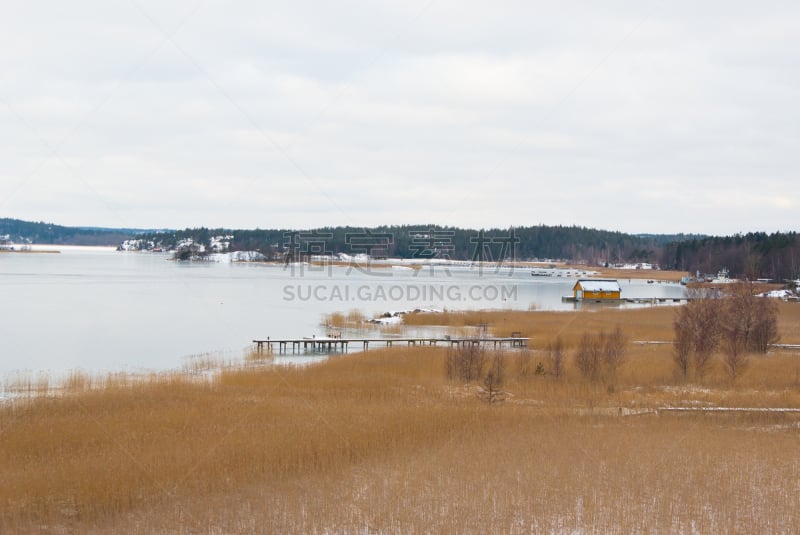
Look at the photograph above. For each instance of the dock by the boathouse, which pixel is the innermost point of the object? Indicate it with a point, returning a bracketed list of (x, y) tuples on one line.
[(332, 343)]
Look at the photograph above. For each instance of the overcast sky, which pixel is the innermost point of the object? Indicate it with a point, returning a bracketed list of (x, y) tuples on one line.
[(637, 116)]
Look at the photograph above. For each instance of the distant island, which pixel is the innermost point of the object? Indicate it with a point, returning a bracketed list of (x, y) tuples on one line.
[(19, 231), (7, 245), (755, 255)]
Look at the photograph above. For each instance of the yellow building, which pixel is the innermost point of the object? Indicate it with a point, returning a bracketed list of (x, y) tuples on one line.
[(596, 289)]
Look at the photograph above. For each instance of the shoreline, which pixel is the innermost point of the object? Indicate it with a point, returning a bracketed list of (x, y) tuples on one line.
[(501, 323), (30, 251)]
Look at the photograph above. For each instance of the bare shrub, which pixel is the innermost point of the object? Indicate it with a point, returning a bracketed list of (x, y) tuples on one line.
[(355, 317), (555, 356), (614, 345), (465, 361), (494, 378), (735, 350), (451, 365), (334, 319), (588, 356), (525, 360), (599, 356)]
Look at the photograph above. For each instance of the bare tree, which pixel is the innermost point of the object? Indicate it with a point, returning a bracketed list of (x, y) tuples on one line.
[(755, 317), (765, 331), (706, 322), (735, 351), (684, 342), (697, 333), (740, 323), (741, 311)]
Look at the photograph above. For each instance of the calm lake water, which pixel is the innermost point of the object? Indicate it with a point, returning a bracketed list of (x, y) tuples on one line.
[(99, 310)]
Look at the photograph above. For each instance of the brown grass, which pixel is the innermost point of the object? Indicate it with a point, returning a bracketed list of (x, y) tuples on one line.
[(653, 323), (380, 442), (649, 274), (756, 287), (354, 319)]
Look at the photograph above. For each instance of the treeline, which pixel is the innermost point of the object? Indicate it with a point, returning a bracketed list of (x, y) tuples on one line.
[(752, 256), (41, 232), (749, 256), (574, 243)]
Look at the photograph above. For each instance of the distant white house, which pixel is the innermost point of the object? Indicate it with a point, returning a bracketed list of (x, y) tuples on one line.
[(640, 265), (5, 243), (722, 277)]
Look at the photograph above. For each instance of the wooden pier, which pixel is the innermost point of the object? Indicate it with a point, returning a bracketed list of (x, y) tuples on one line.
[(623, 300), (328, 344)]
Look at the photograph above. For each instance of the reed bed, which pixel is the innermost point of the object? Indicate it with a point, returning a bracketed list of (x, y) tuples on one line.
[(354, 319), (537, 474), (658, 274), (383, 442), (646, 323)]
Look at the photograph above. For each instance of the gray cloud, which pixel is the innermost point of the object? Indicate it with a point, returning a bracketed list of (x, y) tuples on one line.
[(637, 116)]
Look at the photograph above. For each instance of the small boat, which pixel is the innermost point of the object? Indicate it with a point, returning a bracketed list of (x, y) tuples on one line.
[(722, 277)]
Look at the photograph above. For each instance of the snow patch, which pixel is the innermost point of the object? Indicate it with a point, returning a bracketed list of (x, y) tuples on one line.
[(394, 317), (777, 294), (236, 256)]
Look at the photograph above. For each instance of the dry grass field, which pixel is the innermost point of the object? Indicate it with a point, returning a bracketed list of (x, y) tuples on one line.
[(383, 442), (650, 274)]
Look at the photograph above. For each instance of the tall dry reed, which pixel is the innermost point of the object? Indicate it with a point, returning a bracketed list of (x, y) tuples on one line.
[(383, 442)]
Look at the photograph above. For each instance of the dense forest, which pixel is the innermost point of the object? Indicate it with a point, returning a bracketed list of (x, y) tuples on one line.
[(753, 255), (432, 241), (41, 232)]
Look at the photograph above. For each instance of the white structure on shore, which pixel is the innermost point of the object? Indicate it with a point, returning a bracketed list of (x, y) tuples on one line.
[(7, 244), (722, 277)]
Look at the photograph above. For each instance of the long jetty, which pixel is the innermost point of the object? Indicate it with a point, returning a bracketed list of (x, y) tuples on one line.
[(330, 343), (623, 300)]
